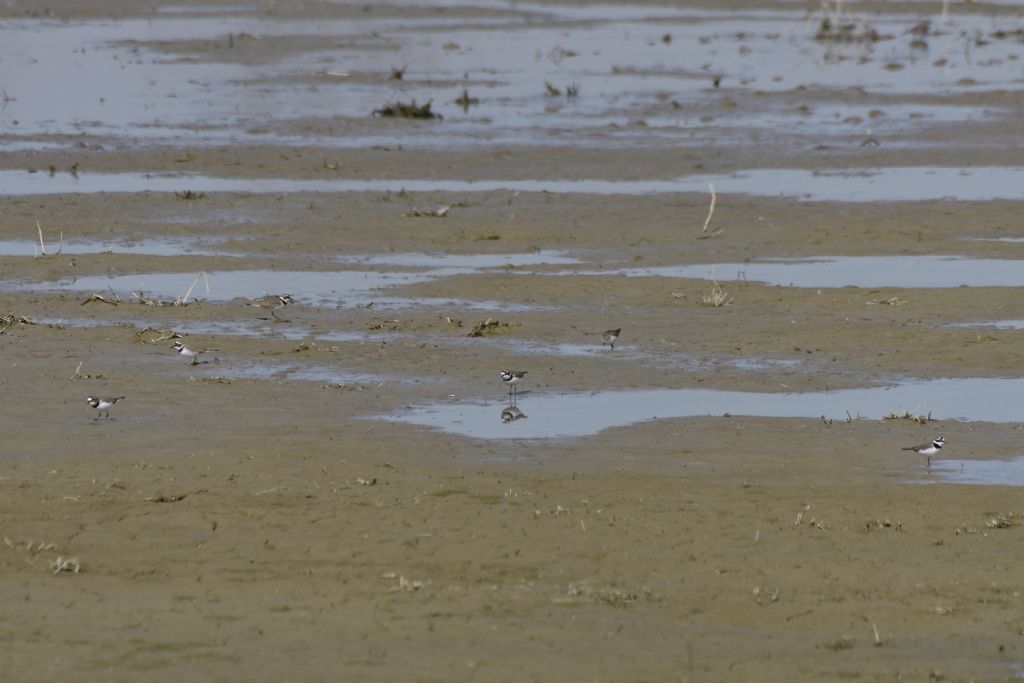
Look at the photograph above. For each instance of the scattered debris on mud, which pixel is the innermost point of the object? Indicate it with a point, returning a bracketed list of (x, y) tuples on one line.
[(190, 195), (7, 321), (157, 335), (428, 213), (489, 327)]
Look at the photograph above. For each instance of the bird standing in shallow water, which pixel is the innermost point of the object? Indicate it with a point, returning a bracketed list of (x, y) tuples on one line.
[(609, 337), (272, 302), (929, 448)]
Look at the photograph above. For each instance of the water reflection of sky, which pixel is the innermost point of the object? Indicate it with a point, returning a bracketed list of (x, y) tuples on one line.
[(343, 288), (150, 246), (125, 85), (980, 472), (583, 414), (908, 183), (847, 271)]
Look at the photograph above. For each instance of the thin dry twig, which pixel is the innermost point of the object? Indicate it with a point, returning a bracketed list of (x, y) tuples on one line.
[(42, 245), (163, 334), (78, 374), (183, 301), (113, 301), (711, 209)]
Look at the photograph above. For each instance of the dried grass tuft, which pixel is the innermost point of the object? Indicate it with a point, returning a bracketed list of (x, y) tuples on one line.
[(717, 297)]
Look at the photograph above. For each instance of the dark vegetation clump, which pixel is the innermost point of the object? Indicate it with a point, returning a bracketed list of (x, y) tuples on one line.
[(406, 110), (847, 32)]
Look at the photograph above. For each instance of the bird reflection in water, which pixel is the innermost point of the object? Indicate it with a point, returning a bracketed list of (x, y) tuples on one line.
[(511, 413)]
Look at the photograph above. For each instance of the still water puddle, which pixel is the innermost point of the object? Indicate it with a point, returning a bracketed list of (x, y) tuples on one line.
[(621, 352), (262, 329), (847, 271), (146, 79), (315, 288), (296, 373), (908, 183), (230, 328), (630, 353), (585, 414), (207, 246), (207, 9), (1011, 240), (981, 472), (996, 324), (469, 261), (151, 246)]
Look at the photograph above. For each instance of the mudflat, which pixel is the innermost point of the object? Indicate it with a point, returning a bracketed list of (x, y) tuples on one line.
[(293, 507)]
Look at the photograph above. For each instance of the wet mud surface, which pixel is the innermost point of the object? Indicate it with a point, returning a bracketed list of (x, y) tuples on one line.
[(340, 487)]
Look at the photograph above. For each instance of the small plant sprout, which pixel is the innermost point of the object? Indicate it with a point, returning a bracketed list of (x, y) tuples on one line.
[(465, 101)]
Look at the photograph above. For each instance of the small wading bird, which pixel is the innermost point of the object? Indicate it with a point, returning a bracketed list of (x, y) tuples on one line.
[(929, 448), (274, 301), (191, 351), (103, 405), (512, 378), (610, 336)]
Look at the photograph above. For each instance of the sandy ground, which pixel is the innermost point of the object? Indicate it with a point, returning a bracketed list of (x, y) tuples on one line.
[(237, 527)]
